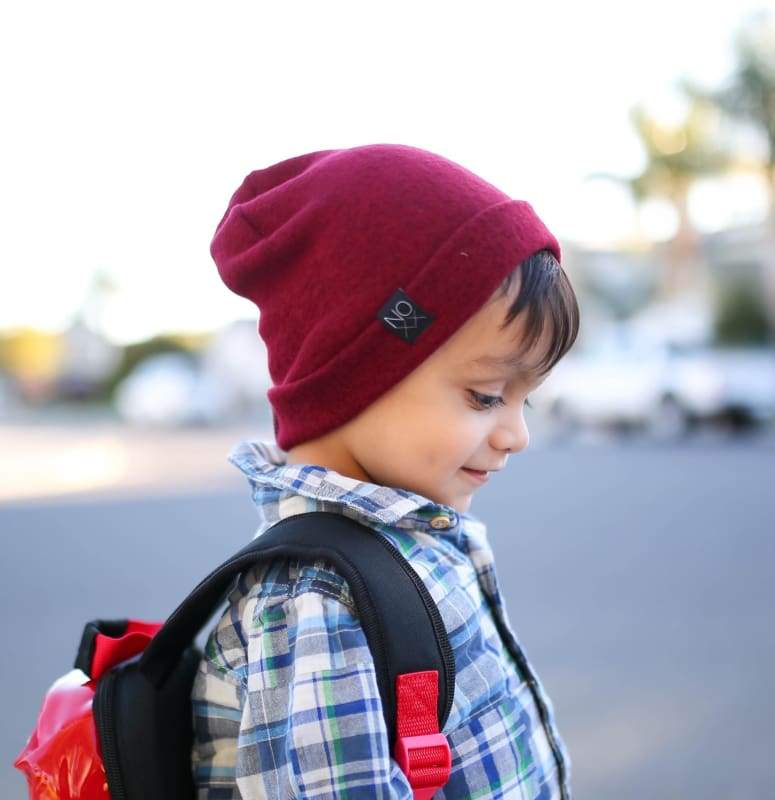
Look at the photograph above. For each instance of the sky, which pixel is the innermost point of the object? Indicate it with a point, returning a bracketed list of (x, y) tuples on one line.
[(129, 126)]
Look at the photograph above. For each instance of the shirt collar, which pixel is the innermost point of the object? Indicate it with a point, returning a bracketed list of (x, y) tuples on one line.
[(265, 465)]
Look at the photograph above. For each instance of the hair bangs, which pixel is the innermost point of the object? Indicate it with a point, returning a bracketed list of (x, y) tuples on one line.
[(547, 295)]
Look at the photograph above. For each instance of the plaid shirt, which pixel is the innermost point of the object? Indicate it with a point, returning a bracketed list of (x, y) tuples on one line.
[(286, 703)]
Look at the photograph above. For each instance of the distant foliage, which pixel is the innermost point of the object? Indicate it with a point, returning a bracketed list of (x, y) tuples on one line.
[(741, 316), (135, 353)]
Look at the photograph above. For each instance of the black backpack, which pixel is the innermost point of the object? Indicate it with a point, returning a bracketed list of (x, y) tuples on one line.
[(142, 707)]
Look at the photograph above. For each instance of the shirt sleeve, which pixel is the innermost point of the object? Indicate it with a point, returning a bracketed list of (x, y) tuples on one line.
[(312, 725), (217, 710), (310, 714)]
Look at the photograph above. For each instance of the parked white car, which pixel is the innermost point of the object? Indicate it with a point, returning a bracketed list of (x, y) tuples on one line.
[(738, 382), (624, 380), (168, 389)]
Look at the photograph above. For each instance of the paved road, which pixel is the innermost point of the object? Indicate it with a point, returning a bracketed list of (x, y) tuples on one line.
[(639, 578)]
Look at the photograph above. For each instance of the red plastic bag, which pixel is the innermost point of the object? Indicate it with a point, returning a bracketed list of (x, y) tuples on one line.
[(62, 759)]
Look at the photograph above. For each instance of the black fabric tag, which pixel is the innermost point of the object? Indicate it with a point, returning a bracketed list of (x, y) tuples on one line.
[(403, 317)]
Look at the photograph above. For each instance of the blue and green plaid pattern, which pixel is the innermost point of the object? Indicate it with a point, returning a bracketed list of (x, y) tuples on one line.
[(285, 701)]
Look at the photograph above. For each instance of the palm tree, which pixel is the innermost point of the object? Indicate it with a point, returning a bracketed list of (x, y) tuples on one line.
[(749, 97), (749, 93), (676, 156)]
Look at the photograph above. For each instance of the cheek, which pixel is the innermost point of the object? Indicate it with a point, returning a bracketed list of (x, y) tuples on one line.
[(437, 438), (454, 439), (435, 422)]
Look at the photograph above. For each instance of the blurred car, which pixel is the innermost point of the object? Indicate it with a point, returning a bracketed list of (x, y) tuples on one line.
[(168, 389), (622, 380), (613, 381), (737, 383), (235, 359)]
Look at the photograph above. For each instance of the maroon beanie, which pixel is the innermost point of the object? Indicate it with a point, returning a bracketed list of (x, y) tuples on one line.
[(363, 261)]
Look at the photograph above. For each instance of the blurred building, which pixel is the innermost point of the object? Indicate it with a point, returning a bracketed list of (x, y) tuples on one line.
[(620, 284)]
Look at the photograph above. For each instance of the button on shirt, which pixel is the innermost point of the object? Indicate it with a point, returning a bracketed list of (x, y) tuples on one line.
[(286, 702)]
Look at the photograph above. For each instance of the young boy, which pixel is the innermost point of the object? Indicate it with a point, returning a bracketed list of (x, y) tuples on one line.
[(408, 307)]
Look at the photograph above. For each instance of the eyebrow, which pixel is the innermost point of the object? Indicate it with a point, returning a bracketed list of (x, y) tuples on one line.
[(509, 363)]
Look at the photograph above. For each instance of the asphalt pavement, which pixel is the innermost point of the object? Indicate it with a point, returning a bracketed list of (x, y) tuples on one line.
[(638, 576)]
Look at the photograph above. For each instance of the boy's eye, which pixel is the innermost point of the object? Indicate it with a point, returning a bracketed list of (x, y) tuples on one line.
[(484, 402)]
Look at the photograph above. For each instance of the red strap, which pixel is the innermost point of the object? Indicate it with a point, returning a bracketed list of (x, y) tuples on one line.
[(112, 650), (421, 750)]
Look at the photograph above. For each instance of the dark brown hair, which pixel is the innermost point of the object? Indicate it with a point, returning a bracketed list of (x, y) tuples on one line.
[(547, 295)]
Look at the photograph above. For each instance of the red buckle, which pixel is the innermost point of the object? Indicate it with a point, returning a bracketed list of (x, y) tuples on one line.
[(426, 761)]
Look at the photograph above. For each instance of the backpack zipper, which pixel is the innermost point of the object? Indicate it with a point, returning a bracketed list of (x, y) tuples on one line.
[(102, 708), (369, 623), (438, 625)]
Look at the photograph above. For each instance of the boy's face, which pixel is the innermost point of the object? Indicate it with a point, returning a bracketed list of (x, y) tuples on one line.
[(423, 432)]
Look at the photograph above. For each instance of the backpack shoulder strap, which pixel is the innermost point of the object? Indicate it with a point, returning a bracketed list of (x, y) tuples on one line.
[(400, 619)]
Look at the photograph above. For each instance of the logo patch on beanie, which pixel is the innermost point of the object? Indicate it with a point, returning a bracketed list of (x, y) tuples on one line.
[(403, 317)]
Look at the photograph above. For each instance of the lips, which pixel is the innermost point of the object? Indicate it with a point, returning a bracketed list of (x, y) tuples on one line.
[(476, 474)]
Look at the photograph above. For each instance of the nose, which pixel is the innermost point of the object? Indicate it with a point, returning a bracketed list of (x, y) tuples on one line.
[(512, 434)]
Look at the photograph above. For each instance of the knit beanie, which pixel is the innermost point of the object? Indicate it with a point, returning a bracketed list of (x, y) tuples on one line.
[(362, 261)]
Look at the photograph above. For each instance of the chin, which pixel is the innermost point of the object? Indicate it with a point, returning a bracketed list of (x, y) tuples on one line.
[(461, 505)]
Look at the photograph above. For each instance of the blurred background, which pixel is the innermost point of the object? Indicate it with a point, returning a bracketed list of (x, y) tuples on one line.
[(644, 134)]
